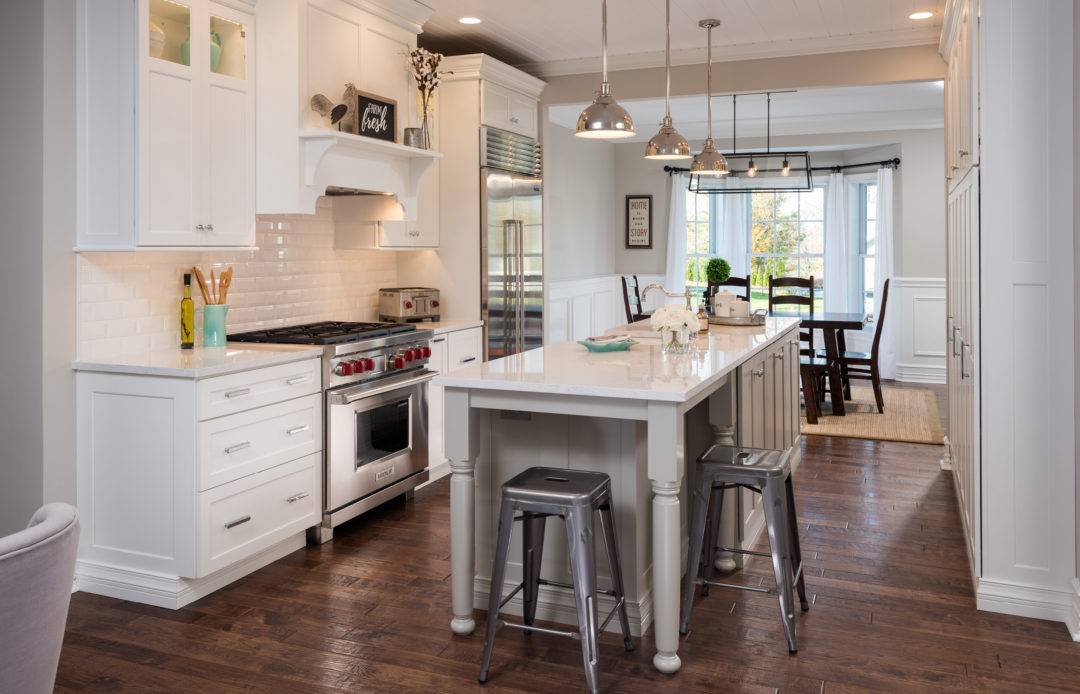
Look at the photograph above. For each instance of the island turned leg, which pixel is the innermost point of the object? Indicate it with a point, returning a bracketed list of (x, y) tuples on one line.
[(722, 408), (666, 451), (461, 450)]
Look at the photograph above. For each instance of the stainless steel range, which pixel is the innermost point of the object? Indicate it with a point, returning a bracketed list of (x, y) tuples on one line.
[(375, 424)]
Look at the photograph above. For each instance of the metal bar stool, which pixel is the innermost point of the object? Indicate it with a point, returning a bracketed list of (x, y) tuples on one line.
[(574, 495), (763, 472)]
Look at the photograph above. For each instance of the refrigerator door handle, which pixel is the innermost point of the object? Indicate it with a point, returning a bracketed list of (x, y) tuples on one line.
[(508, 339), (521, 285)]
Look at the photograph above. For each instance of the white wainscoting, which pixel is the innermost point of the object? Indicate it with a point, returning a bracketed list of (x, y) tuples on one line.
[(579, 308)]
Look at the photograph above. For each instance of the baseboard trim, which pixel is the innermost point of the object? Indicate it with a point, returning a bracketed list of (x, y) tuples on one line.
[(435, 473), (1073, 621), (172, 592), (554, 604), (1029, 601), (920, 373)]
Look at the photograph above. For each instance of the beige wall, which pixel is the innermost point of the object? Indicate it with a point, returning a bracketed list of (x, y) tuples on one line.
[(21, 199), (909, 64), (579, 184)]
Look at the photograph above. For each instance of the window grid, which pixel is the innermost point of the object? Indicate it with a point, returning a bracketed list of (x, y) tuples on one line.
[(699, 238), (787, 238), (867, 244)]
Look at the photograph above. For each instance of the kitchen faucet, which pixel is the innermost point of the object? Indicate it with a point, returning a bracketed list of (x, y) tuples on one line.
[(673, 295)]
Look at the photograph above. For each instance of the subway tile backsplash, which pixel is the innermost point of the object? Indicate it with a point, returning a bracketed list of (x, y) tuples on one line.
[(129, 301)]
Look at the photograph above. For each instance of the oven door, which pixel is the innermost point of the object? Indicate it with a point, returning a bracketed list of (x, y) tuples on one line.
[(377, 434)]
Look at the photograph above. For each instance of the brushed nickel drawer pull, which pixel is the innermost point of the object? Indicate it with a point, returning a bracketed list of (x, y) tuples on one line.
[(296, 430), (237, 393), (296, 379), (237, 447), (466, 360), (758, 372), (297, 497), (239, 521), (439, 339)]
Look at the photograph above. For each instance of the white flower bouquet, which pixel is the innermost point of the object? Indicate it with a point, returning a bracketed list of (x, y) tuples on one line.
[(676, 324)]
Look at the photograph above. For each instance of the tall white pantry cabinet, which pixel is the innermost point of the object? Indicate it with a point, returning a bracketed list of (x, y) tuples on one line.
[(1011, 346)]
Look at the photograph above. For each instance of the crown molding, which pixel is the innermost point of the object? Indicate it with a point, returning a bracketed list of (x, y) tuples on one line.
[(482, 66), (954, 9), (752, 51), (410, 15)]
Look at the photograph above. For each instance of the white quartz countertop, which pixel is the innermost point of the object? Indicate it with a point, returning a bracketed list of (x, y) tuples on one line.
[(643, 372), (201, 362), (448, 326)]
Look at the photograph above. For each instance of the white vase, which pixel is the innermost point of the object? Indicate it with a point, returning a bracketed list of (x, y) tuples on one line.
[(675, 341)]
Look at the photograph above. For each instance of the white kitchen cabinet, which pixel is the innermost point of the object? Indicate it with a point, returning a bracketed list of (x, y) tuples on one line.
[(508, 109), (449, 350), (960, 46), (169, 159), (186, 484)]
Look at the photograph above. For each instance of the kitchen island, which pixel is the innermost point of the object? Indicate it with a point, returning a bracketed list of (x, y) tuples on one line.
[(639, 416)]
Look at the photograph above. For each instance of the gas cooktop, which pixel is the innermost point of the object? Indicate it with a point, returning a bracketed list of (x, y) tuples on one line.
[(323, 333)]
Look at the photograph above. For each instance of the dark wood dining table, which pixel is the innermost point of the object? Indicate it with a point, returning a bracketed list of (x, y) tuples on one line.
[(832, 326)]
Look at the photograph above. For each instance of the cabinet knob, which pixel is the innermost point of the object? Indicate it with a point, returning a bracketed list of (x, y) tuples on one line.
[(200, 227), (964, 152), (513, 119), (758, 372), (209, 227)]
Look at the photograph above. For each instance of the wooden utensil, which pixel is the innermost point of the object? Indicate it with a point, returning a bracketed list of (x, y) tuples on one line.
[(202, 285), (226, 282), (213, 286)]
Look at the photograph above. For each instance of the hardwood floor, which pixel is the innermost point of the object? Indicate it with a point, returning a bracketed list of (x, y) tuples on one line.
[(885, 566)]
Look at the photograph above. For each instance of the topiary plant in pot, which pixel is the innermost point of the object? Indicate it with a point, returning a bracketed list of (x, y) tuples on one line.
[(717, 270)]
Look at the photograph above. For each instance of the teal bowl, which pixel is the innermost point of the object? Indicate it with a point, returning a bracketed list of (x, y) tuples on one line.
[(620, 346)]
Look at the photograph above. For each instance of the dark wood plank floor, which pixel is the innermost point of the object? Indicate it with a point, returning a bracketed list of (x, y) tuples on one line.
[(892, 610)]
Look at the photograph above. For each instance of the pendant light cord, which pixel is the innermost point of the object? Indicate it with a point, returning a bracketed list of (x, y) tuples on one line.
[(734, 120), (603, 40), (768, 121), (667, 60), (708, 77)]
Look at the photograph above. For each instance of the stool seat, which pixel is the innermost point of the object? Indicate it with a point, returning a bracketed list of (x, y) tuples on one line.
[(549, 485), (750, 462)]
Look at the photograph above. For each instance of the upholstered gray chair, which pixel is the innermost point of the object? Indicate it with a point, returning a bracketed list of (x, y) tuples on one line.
[(36, 569)]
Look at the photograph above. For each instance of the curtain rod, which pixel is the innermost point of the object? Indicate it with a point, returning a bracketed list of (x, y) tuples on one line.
[(894, 162)]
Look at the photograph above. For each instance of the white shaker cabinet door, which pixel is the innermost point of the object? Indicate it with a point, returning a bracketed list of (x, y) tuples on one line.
[(170, 156)]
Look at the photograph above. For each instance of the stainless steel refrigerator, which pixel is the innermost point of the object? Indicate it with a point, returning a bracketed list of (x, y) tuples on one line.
[(511, 244)]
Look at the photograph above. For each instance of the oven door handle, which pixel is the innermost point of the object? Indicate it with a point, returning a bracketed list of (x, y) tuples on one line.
[(348, 397)]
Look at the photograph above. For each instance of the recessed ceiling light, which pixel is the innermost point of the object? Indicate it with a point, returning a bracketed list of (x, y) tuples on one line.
[(920, 15), (469, 20)]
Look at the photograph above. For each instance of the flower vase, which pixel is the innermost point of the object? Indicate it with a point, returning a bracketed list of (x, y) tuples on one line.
[(425, 132), (675, 341)]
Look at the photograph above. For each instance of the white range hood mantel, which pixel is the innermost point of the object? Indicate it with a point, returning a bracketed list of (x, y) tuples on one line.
[(332, 158)]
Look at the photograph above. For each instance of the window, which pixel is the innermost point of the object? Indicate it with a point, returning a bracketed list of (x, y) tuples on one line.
[(866, 199), (699, 238), (787, 239)]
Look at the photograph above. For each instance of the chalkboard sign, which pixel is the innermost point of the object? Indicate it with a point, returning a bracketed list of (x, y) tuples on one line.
[(376, 116)]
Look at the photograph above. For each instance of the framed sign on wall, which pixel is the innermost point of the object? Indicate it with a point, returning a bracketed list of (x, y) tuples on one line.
[(639, 221), (376, 116)]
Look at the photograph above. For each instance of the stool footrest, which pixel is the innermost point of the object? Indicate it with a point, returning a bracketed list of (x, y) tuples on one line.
[(735, 550), (736, 586), (542, 630), (570, 586)]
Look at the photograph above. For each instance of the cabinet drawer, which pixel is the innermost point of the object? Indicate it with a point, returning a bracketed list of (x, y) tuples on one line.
[(464, 347), (244, 517), (249, 389), (507, 109), (248, 442)]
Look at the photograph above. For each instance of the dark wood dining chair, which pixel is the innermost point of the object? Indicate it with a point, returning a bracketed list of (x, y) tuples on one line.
[(742, 282), (865, 365), (631, 294), (793, 299)]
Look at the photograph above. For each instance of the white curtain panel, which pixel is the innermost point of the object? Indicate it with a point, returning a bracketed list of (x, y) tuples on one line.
[(733, 212), (838, 265), (675, 275), (883, 270)]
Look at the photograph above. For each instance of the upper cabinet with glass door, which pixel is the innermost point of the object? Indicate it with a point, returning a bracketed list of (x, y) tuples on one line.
[(167, 156)]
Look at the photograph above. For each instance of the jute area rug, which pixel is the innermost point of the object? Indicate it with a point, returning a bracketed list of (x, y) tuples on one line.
[(911, 415)]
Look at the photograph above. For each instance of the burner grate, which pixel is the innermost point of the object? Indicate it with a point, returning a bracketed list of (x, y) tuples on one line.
[(323, 333)]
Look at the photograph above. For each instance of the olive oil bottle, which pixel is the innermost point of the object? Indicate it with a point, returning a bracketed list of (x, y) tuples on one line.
[(187, 316)]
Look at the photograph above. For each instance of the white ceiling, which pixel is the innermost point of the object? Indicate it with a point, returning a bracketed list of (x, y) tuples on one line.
[(913, 105), (559, 37)]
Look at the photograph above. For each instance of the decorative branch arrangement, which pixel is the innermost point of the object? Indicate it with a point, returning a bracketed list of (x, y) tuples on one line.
[(425, 70)]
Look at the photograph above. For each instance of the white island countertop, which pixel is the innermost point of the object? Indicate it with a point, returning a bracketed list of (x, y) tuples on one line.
[(201, 362), (643, 372)]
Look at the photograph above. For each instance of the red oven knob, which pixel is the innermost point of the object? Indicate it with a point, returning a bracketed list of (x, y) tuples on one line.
[(344, 368), (408, 304), (425, 352), (358, 366), (435, 304), (410, 354), (399, 362), (369, 364)]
